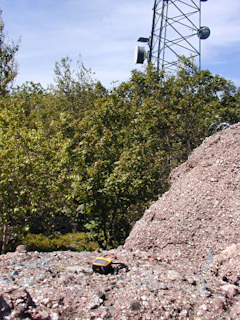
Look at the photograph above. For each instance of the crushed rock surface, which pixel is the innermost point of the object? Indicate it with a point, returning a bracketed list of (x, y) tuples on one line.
[(183, 256)]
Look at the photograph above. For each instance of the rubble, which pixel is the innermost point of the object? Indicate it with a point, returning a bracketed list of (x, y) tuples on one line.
[(183, 256)]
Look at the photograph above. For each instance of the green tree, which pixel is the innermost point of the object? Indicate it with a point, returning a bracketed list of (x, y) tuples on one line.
[(75, 88), (115, 177), (32, 176), (8, 67)]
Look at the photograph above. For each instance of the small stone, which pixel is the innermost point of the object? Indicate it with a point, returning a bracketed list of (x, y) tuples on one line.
[(174, 275), (135, 305), (95, 303), (101, 295), (218, 304), (44, 314), (183, 314), (14, 273), (167, 315), (54, 316), (20, 308), (163, 286), (229, 251), (191, 281), (45, 301), (21, 249), (204, 307), (230, 289)]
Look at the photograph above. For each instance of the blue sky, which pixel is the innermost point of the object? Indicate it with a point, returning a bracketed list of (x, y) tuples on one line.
[(105, 32)]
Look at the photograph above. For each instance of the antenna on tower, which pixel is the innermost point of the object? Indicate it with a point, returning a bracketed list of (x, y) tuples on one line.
[(176, 31)]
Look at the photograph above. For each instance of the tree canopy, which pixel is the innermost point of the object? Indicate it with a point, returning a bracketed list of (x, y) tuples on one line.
[(8, 66)]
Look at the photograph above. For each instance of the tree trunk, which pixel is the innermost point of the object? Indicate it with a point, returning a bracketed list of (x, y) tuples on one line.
[(4, 239)]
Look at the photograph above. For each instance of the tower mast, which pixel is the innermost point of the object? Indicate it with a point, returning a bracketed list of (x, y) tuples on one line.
[(176, 31)]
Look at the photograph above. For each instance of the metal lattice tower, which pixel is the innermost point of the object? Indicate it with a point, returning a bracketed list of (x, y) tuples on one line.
[(176, 31)]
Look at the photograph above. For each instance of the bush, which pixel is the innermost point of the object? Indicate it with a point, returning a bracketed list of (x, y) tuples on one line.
[(57, 242)]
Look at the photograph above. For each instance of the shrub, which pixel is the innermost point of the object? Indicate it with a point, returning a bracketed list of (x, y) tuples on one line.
[(57, 242)]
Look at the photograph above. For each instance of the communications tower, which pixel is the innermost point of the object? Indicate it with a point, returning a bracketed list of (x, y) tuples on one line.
[(176, 31)]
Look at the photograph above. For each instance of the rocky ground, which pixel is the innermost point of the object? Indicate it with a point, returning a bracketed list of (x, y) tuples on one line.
[(183, 256)]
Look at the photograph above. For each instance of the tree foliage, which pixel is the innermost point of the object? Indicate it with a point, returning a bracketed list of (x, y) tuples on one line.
[(8, 67)]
